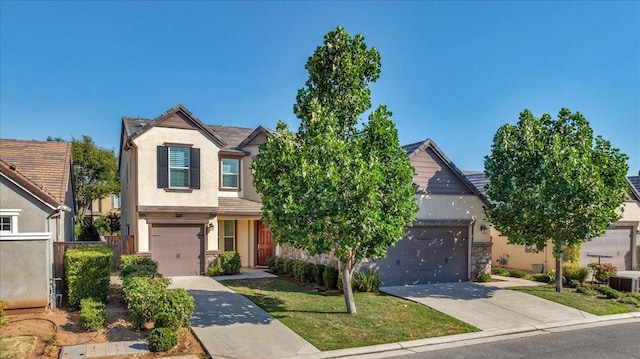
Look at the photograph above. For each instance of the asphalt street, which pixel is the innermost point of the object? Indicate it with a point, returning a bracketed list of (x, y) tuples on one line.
[(621, 341)]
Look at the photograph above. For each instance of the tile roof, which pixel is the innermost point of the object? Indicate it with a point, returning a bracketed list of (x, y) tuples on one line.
[(635, 181), (238, 206), (412, 147), (233, 136), (478, 179), (45, 164)]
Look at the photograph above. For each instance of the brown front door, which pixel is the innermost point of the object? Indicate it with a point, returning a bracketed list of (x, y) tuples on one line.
[(265, 243)]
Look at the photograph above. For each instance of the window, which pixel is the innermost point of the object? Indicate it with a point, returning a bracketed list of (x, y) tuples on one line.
[(230, 173), (229, 236), (5, 224), (9, 220), (115, 201), (178, 167)]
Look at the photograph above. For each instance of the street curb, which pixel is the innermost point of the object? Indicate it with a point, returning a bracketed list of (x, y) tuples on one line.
[(420, 345)]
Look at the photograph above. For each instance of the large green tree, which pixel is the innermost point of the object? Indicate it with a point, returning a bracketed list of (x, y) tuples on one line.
[(335, 186), (551, 180), (95, 173)]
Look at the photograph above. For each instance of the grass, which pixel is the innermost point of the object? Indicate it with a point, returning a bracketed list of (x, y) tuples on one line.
[(597, 305), (16, 347), (321, 318)]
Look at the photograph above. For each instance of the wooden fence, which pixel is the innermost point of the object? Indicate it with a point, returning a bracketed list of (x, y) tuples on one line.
[(119, 246)]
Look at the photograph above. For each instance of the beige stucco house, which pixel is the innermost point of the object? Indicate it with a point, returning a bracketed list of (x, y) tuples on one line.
[(187, 192), (618, 245), (36, 209)]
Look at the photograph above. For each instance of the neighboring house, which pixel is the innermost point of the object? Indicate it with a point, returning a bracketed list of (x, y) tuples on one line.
[(36, 208), (618, 245), (187, 192), (104, 206), (449, 241)]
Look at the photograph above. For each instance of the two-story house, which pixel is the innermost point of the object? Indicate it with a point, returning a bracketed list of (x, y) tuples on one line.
[(187, 191)]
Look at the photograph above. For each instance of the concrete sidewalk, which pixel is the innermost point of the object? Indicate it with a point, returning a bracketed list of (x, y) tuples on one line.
[(486, 305), (230, 326)]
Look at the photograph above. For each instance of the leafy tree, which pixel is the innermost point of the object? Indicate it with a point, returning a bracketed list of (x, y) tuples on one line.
[(333, 186), (551, 180), (95, 173)]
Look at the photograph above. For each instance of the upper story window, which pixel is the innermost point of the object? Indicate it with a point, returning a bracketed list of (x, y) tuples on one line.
[(9, 220), (230, 173), (178, 167)]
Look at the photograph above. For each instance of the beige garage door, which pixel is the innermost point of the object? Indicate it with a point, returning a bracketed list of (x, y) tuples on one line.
[(178, 249), (615, 243)]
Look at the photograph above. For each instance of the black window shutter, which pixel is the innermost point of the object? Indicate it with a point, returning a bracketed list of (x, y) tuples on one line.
[(195, 168), (163, 166)]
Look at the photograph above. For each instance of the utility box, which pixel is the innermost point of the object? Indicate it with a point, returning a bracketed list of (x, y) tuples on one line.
[(626, 284)]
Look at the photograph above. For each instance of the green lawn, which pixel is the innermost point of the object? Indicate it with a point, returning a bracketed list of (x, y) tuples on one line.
[(597, 305), (322, 320)]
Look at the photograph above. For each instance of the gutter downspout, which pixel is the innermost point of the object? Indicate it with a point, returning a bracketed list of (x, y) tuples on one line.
[(56, 214)]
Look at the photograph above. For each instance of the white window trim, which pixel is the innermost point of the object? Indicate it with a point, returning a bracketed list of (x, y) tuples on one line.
[(13, 213), (222, 173), (188, 168)]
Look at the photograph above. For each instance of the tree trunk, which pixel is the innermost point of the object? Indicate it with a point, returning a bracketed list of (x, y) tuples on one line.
[(347, 271), (559, 258)]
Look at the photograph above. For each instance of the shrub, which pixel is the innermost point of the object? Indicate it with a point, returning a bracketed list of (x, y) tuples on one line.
[(162, 339), (271, 264), (138, 266), (143, 295), (129, 260), (93, 314), (610, 292), (87, 270), (330, 278), (542, 277), (585, 290), (287, 266), (230, 263), (603, 271), (88, 230), (174, 309), (517, 273), (3, 320), (214, 268), (500, 271), (366, 281), (573, 271), (303, 271), (318, 271), (484, 277), (574, 284), (552, 275), (627, 299)]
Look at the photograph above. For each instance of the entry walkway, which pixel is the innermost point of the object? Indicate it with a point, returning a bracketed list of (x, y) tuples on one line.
[(231, 326), (488, 306)]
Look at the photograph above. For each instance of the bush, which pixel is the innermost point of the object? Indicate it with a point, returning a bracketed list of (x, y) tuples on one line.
[(366, 281), (93, 314), (500, 271), (138, 266), (542, 277), (214, 268), (87, 271), (143, 295), (303, 271), (174, 309), (3, 320), (330, 278), (517, 273), (287, 266), (610, 292), (573, 271), (88, 230), (271, 264), (230, 263), (318, 271), (603, 271), (585, 290), (162, 339), (129, 260), (574, 284), (627, 299), (484, 277)]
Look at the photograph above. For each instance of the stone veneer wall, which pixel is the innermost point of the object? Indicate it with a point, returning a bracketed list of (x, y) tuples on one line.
[(325, 259), (480, 258)]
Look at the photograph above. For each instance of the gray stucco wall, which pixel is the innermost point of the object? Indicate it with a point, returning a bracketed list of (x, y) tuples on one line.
[(33, 213), (24, 275)]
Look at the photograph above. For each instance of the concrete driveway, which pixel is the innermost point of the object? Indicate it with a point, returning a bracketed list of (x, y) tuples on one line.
[(487, 306)]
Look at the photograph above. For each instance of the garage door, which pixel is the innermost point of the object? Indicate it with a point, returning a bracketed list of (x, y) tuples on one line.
[(178, 249), (427, 255), (615, 243)]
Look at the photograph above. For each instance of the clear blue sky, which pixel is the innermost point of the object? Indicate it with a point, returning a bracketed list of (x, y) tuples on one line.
[(451, 71)]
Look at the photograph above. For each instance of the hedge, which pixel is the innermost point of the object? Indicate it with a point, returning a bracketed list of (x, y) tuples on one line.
[(87, 272), (93, 314), (143, 298), (230, 263)]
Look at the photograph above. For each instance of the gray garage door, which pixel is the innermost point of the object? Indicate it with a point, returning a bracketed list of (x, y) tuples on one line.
[(178, 249), (427, 255), (615, 243)]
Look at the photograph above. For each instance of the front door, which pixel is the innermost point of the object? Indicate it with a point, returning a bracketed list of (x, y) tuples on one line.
[(265, 243)]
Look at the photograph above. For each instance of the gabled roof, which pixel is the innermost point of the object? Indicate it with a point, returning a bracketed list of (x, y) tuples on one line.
[(43, 168), (135, 127), (480, 180), (414, 148), (252, 135)]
